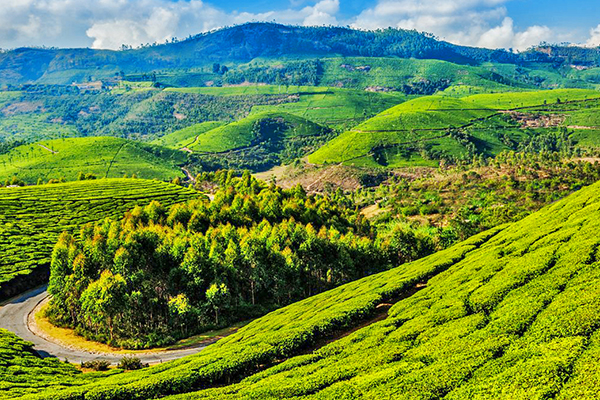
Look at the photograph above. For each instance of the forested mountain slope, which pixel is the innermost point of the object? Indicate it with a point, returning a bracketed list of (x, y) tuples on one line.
[(243, 43)]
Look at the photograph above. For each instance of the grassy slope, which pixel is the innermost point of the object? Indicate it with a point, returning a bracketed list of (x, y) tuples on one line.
[(389, 72), (185, 137), (32, 217), (241, 133), (510, 313), (104, 156), (28, 369), (337, 108), (425, 118), (33, 127)]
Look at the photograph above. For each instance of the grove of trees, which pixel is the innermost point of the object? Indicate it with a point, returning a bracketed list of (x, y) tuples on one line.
[(161, 274)]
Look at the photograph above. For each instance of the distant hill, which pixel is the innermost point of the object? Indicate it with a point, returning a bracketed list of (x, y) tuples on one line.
[(243, 43), (105, 157), (424, 130)]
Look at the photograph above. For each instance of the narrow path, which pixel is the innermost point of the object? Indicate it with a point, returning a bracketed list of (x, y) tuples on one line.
[(113, 159), (188, 174), (15, 316), (50, 150)]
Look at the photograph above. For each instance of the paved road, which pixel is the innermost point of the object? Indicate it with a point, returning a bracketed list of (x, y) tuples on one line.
[(14, 315)]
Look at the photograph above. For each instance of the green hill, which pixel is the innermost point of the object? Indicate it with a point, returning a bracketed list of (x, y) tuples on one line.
[(328, 106), (510, 313), (423, 130), (106, 157), (258, 142), (32, 218), (185, 137), (254, 130)]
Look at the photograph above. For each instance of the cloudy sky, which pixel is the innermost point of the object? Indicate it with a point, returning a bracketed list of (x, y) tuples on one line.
[(108, 24)]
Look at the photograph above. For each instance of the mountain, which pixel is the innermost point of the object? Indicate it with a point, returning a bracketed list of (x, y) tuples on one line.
[(243, 43)]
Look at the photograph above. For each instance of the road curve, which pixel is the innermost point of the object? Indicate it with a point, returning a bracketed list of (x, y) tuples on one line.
[(14, 316)]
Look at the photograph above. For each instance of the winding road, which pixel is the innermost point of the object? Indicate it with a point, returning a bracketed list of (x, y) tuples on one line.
[(15, 316)]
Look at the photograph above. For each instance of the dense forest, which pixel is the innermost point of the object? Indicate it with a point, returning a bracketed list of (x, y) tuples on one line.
[(162, 274)]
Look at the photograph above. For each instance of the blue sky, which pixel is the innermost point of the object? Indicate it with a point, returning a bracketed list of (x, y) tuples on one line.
[(516, 24)]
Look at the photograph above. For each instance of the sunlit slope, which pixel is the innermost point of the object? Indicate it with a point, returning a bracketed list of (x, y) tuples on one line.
[(253, 130), (333, 107), (103, 156), (511, 313), (185, 137), (25, 372), (32, 218), (427, 121), (515, 318)]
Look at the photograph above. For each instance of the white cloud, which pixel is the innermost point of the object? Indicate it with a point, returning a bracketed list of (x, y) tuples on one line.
[(469, 22), (594, 40), (322, 13), (111, 23)]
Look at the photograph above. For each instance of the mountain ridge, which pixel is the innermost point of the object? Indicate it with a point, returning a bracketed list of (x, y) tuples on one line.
[(243, 43)]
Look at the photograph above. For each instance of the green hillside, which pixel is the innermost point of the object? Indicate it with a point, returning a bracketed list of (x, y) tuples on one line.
[(330, 106), (510, 313), (26, 367), (185, 137), (254, 130), (105, 157), (258, 142), (423, 130), (32, 127), (32, 218)]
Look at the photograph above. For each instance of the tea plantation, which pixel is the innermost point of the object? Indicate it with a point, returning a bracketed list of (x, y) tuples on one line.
[(32, 218), (510, 313), (23, 371), (106, 157), (254, 130), (426, 129)]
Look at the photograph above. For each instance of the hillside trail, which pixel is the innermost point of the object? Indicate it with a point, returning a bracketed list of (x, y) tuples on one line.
[(188, 174), (16, 315), (47, 148)]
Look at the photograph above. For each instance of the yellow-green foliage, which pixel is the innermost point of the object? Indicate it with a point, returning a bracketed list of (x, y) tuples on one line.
[(103, 156), (244, 132), (512, 100), (425, 120), (508, 314), (187, 136), (32, 217)]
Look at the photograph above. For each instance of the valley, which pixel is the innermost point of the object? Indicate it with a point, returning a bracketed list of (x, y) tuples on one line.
[(268, 211)]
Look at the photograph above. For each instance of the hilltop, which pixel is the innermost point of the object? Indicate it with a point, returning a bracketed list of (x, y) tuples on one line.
[(430, 128)]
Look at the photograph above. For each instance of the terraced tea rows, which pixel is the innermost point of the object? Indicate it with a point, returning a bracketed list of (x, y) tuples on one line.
[(32, 218), (510, 313), (106, 157), (23, 371), (424, 126)]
